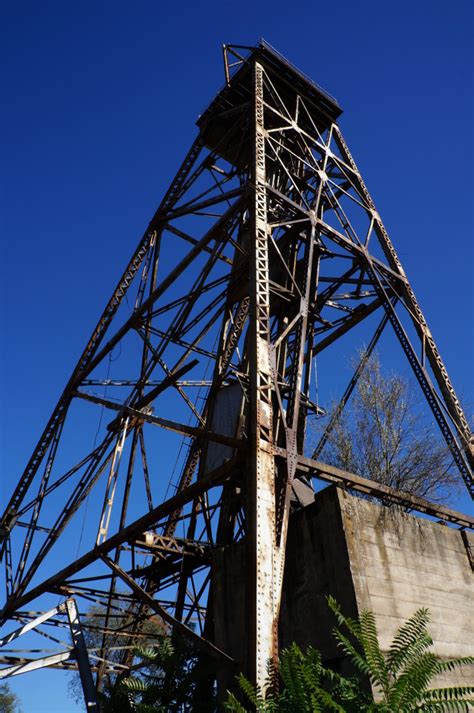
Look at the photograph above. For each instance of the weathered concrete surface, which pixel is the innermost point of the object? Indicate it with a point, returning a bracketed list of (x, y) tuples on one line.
[(317, 564), (372, 557), (229, 593), (368, 557), (400, 563)]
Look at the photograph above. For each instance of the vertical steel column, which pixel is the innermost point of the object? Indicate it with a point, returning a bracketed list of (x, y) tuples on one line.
[(82, 657), (262, 530)]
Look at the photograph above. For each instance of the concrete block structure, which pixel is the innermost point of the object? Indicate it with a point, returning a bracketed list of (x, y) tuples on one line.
[(378, 558)]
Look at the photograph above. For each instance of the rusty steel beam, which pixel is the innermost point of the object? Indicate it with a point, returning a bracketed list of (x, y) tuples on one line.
[(98, 334), (151, 603), (387, 495), (212, 479)]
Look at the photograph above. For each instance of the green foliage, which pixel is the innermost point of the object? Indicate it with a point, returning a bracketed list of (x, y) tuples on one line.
[(94, 623), (145, 692), (169, 674), (9, 702), (306, 685), (400, 680), (167, 680)]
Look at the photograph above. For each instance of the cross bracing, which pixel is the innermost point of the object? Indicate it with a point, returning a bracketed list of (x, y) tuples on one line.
[(184, 426)]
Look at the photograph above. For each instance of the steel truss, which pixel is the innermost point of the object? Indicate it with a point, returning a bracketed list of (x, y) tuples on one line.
[(266, 249), (76, 653)]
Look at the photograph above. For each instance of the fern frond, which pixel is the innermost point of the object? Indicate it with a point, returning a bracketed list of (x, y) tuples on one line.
[(135, 684), (351, 625), (449, 693), (410, 640), (374, 657), (291, 663), (272, 679), (250, 691), (410, 686), (149, 653), (446, 707), (312, 670), (356, 657), (149, 708), (233, 705), (323, 701), (451, 664)]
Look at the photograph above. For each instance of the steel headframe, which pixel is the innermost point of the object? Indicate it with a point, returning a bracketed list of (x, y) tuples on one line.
[(266, 249)]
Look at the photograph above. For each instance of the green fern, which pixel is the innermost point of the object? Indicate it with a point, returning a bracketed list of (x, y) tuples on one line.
[(166, 678), (135, 685), (403, 677), (305, 682), (410, 641), (233, 705), (373, 655)]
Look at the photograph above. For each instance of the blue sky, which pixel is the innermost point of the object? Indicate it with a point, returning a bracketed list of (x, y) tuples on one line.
[(99, 104)]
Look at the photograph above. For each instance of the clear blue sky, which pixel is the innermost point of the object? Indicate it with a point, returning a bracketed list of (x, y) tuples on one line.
[(99, 101)]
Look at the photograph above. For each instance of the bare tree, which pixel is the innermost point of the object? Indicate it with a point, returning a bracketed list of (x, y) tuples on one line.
[(382, 435)]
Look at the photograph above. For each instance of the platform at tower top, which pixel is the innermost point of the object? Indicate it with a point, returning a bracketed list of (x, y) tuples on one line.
[(289, 82)]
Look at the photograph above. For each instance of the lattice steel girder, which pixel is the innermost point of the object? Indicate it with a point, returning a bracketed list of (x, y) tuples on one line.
[(265, 252)]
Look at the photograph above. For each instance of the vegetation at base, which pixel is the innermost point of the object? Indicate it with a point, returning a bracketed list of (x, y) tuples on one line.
[(401, 679), (170, 676), (152, 631), (167, 679), (304, 683)]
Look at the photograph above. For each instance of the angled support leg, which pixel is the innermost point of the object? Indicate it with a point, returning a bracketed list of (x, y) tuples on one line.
[(82, 657)]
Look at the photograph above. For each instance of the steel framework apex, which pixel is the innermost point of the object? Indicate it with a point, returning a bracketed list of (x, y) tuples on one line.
[(182, 431)]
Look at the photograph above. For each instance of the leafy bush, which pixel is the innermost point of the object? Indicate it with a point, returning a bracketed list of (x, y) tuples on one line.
[(400, 680)]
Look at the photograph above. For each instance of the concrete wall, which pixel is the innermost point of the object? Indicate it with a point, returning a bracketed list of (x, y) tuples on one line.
[(317, 564), (229, 594), (372, 557), (368, 557), (400, 563)]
